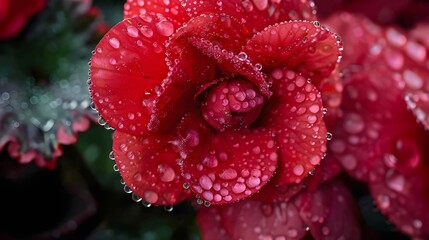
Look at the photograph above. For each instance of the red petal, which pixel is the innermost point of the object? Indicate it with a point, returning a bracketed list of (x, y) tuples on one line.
[(330, 212), (210, 224), (126, 70), (305, 47), (169, 9), (399, 183), (148, 166), (250, 219), (294, 112), (256, 14), (227, 166)]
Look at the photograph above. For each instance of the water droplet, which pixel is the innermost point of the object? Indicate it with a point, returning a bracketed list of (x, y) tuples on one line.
[(261, 4), (138, 177), (132, 31), (115, 168), (298, 170), (165, 28), (228, 174), (258, 66), (292, 232), (353, 123), (328, 136), (151, 196), (395, 181), (412, 79), (395, 37), (114, 42), (146, 204), (146, 31), (127, 189), (135, 197), (169, 208), (242, 56), (111, 155), (205, 182), (167, 173)]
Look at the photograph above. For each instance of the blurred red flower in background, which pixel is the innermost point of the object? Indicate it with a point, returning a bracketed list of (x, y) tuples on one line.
[(381, 136), (14, 15)]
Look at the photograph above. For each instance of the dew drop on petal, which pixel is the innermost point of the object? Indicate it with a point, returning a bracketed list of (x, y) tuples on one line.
[(146, 31), (228, 174), (412, 79), (205, 182), (395, 181), (166, 172), (114, 42), (242, 56), (132, 31), (298, 170), (383, 201), (151, 196), (238, 188), (165, 28)]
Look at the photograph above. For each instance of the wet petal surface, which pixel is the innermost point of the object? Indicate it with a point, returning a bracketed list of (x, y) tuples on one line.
[(295, 113), (255, 15), (124, 82), (305, 47), (227, 166), (250, 219), (330, 212), (148, 167)]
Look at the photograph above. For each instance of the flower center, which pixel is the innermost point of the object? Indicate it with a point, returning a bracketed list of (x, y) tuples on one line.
[(233, 103)]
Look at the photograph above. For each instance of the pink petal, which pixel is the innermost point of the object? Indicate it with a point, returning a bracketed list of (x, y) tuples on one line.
[(169, 9), (305, 47), (148, 167), (126, 71), (227, 166), (255, 14), (295, 113), (330, 212), (250, 219)]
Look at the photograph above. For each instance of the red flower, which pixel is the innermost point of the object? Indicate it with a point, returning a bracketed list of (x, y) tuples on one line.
[(381, 138), (223, 100), (14, 15)]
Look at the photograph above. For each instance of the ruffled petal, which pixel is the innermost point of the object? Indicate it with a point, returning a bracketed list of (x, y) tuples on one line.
[(295, 113), (330, 212), (305, 47), (169, 9), (126, 71), (255, 14), (226, 166), (250, 219), (148, 167)]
